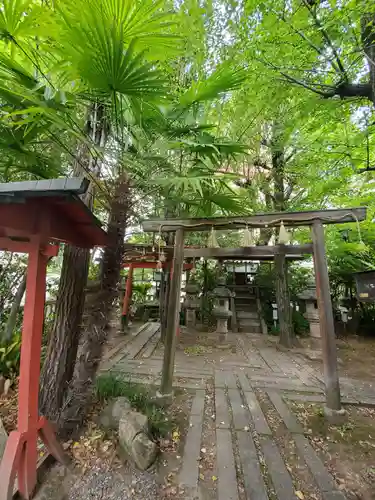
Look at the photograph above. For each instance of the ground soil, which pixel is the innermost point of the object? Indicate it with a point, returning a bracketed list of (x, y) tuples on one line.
[(172, 446), (348, 451), (355, 357), (8, 410), (207, 465)]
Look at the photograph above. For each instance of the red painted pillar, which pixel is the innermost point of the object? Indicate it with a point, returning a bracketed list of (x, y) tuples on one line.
[(21, 454), (127, 295), (32, 331)]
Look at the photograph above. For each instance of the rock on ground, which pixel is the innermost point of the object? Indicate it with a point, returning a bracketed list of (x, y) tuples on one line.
[(131, 424), (111, 415), (134, 439)]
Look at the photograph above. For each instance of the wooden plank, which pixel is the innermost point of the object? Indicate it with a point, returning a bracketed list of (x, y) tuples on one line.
[(263, 252), (257, 416), (221, 410), (141, 340), (280, 476), (227, 480), (239, 413), (189, 473), (321, 475), (283, 410), (303, 218), (252, 473)]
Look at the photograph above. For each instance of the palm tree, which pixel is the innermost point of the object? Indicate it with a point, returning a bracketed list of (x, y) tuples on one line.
[(104, 44), (92, 66), (98, 94)]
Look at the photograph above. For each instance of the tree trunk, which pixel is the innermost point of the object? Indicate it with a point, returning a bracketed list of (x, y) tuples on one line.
[(98, 310), (12, 319), (368, 41), (281, 268), (64, 337), (282, 300)]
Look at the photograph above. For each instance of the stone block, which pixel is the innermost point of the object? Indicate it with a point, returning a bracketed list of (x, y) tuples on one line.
[(134, 440), (111, 414)]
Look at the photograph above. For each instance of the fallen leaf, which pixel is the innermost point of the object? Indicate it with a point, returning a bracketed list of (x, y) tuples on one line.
[(214, 478), (176, 436), (201, 476), (299, 494)]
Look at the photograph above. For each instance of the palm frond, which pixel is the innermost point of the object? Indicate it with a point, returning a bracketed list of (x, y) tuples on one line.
[(20, 17), (105, 43), (223, 79)]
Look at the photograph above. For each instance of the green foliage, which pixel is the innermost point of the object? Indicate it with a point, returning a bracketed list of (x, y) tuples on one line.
[(10, 354), (300, 324), (205, 276), (139, 292), (112, 386)]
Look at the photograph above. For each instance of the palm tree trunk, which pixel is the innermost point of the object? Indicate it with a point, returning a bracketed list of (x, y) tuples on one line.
[(64, 338), (98, 310)]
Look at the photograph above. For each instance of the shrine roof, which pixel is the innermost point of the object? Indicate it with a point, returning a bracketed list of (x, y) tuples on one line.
[(54, 204)]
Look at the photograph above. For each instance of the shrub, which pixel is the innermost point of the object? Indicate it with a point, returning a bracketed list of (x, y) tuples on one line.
[(10, 354), (113, 386)]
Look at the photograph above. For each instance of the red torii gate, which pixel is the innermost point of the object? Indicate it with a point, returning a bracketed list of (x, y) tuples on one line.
[(138, 263), (34, 217)]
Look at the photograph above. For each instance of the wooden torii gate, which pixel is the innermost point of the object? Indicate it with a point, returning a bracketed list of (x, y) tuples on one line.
[(35, 217), (315, 220)]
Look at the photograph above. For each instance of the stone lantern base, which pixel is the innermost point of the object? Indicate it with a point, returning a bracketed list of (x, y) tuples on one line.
[(191, 318)]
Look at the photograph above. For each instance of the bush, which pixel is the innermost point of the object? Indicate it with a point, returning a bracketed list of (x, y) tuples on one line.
[(113, 386), (10, 355), (300, 324)]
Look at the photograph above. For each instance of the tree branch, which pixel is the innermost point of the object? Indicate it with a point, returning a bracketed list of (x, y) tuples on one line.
[(327, 38), (317, 49)]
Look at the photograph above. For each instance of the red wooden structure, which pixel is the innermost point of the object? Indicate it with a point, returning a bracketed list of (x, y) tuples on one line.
[(34, 218), (138, 263)]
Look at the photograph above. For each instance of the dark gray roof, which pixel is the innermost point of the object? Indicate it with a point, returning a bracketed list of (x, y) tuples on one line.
[(48, 187)]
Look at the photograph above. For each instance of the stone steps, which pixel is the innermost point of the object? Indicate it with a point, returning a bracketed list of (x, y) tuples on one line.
[(247, 315)]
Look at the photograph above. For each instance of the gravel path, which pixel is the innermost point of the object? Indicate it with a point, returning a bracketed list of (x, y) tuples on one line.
[(102, 482), (99, 482)]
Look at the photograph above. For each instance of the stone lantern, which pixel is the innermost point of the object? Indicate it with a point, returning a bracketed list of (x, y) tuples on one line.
[(312, 312), (191, 302), (221, 311)]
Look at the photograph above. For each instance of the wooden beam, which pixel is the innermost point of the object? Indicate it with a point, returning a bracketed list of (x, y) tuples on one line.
[(173, 316), (331, 377), (305, 218), (249, 253), (151, 265), (22, 218), (15, 246)]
